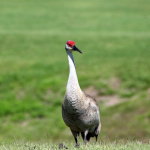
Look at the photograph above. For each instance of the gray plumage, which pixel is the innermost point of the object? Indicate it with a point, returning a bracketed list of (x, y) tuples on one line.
[(79, 111)]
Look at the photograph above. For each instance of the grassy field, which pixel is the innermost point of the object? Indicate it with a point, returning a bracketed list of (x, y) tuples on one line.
[(115, 39), (104, 146)]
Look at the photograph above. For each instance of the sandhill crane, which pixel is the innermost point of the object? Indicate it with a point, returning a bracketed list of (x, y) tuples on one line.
[(79, 111)]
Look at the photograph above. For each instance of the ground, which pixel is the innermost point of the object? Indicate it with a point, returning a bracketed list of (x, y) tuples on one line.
[(47, 146)]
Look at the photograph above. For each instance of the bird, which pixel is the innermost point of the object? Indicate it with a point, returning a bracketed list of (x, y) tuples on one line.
[(80, 112)]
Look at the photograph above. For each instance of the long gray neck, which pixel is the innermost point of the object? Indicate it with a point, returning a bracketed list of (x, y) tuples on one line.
[(73, 86)]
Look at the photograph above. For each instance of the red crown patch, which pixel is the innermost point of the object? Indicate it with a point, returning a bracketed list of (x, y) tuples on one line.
[(70, 43)]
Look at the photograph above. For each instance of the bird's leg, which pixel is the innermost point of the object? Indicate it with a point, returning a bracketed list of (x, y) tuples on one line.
[(96, 136), (82, 134), (77, 144), (85, 136), (96, 132), (75, 134)]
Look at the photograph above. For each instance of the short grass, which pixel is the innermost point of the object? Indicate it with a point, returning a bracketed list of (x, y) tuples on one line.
[(114, 37), (104, 146)]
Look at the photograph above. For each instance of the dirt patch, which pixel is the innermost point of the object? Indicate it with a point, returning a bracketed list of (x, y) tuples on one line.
[(20, 94), (114, 83), (111, 100), (92, 91), (24, 123), (107, 100), (47, 95)]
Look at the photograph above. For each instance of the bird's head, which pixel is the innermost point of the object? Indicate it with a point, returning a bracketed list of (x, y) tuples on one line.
[(70, 46)]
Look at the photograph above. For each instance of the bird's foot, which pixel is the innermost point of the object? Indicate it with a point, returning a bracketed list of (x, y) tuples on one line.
[(62, 146), (77, 145), (85, 142)]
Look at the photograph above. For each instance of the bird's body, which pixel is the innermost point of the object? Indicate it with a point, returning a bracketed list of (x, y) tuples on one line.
[(80, 112)]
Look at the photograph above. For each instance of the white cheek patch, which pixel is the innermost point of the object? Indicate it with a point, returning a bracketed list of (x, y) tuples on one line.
[(68, 47)]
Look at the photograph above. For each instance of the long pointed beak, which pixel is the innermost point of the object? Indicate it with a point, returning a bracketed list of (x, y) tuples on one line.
[(76, 49)]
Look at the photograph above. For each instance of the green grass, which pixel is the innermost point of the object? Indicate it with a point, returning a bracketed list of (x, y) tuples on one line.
[(104, 146), (114, 37)]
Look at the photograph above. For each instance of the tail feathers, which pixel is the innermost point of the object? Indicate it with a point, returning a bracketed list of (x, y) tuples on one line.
[(93, 134), (89, 135)]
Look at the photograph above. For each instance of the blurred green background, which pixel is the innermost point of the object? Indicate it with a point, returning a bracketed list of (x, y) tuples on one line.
[(115, 66)]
